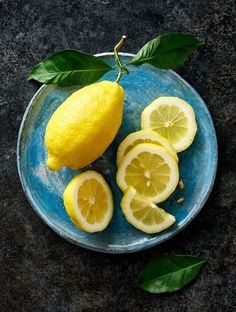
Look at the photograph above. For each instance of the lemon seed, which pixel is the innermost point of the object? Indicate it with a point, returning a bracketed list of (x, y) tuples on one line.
[(181, 184), (180, 200)]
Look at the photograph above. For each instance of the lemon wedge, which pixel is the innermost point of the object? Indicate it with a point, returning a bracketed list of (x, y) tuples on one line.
[(143, 214), (88, 201), (151, 170), (172, 118), (143, 136)]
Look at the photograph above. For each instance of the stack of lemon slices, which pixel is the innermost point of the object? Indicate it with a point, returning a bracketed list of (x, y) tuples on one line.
[(147, 172), (148, 163)]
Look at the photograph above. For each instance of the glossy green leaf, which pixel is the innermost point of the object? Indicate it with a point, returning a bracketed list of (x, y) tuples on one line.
[(69, 67), (170, 273), (167, 51)]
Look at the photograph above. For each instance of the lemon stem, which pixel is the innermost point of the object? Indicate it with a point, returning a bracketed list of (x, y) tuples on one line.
[(122, 68)]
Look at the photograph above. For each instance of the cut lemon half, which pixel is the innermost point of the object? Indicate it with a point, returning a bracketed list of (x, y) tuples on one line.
[(143, 214), (151, 170), (88, 202), (172, 118), (143, 136)]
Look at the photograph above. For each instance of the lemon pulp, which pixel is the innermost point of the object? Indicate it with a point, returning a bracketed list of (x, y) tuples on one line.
[(92, 201), (172, 118), (143, 214), (151, 170), (88, 201), (143, 136)]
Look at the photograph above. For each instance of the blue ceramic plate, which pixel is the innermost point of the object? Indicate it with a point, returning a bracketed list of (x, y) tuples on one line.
[(44, 188)]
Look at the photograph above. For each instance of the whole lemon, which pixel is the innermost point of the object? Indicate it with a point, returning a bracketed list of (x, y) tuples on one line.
[(83, 126)]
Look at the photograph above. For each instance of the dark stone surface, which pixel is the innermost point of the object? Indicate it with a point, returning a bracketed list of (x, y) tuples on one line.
[(39, 271)]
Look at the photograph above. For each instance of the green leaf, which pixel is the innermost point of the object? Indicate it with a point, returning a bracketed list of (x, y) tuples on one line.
[(170, 273), (167, 51), (69, 67)]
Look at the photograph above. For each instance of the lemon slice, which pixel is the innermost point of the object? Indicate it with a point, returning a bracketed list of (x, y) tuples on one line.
[(151, 170), (172, 118), (143, 214), (143, 136), (88, 202)]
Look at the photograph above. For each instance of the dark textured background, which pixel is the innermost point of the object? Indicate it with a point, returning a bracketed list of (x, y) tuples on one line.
[(39, 271)]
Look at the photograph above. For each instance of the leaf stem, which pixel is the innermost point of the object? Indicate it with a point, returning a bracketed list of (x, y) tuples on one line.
[(122, 68)]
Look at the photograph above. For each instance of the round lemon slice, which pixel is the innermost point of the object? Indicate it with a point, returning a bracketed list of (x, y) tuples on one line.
[(172, 118), (88, 202), (143, 214), (151, 170), (143, 136)]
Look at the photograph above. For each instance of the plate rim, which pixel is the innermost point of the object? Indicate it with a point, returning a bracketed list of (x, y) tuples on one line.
[(115, 250)]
